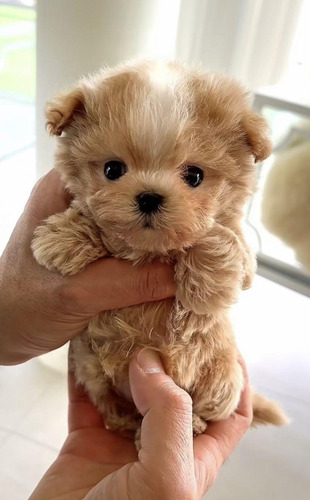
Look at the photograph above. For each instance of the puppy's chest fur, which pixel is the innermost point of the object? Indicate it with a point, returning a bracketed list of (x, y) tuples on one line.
[(184, 339), (191, 332)]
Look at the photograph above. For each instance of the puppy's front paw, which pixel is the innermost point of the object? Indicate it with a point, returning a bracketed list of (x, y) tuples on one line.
[(66, 243), (193, 287), (54, 250), (190, 292), (210, 274), (190, 295)]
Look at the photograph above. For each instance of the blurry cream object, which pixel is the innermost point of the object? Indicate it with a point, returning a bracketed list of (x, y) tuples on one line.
[(286, 200), (56, 360)]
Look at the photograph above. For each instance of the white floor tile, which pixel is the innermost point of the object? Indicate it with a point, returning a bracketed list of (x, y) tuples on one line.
[(3, 436), (21, 387), (11, 490), (24, 461), (272, 326), (46, 421), (270, 464)]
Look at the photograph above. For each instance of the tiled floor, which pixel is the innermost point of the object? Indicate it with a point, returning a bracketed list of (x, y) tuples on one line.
[(272, 326), (32, 425), (270, 464)]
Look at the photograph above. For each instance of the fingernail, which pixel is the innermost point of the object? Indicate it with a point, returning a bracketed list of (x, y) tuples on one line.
[(149, 361)]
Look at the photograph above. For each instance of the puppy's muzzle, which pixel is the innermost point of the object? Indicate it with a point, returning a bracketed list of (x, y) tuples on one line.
[(149, 202)]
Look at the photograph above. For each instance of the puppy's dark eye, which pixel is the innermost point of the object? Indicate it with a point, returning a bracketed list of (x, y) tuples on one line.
[(193, 176), (114, 169)]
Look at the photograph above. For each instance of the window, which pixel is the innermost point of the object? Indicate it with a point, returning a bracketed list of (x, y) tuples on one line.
[(17, 110)]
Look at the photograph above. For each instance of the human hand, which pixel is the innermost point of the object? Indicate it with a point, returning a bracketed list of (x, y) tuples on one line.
[(41, 310), (96, 463)]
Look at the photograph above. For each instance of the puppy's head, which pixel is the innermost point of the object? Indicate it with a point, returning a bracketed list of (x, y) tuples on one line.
[(155, 152)]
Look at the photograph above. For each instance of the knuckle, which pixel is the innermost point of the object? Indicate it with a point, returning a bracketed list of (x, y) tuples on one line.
[(150, 286), (178, 399), (68, 297), (246, 423)]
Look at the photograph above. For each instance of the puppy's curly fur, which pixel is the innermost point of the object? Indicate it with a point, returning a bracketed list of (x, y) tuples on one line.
[(157, 119)]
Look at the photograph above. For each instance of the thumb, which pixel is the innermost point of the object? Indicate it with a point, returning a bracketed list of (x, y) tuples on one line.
[(166, 433)]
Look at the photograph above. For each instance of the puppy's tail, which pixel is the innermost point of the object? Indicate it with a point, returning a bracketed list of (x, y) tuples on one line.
[(267, 412)]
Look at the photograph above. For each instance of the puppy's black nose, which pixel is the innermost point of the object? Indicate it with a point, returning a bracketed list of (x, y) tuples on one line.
[(149, 202)]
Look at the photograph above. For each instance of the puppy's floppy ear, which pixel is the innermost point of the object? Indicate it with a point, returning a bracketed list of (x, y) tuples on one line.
[(257, 135), (61, 110)]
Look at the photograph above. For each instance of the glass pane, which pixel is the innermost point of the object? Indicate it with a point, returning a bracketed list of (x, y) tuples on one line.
[(17, 110), (279, 212)]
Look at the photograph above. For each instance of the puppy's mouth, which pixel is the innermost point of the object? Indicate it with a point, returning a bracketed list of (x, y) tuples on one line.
[(148, 224)]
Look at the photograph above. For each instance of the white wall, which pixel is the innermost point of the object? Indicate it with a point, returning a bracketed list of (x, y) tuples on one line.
[(75, 37), (247, 39)]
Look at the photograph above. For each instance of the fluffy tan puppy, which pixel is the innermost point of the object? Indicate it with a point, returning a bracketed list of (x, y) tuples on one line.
[(159, 160)]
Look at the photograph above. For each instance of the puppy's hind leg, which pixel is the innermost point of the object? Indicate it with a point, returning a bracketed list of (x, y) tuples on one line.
[(118, 413), (217, 393)]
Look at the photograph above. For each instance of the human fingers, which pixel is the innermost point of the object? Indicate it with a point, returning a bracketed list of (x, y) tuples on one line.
[(82, 413), (215, 445), (113, 284), (107, 283), (166, 433), (87, 432)]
